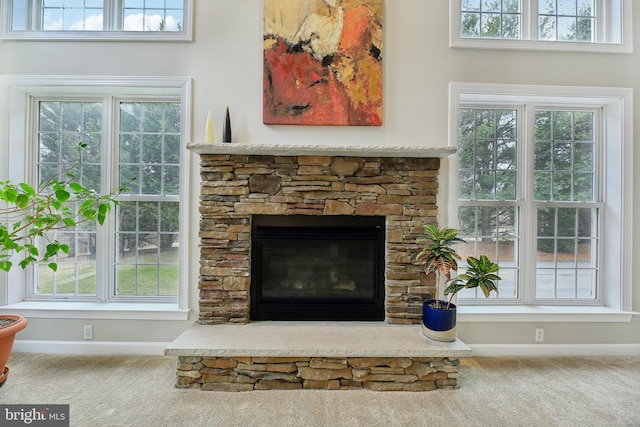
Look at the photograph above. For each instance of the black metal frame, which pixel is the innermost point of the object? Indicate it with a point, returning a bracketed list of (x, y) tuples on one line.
[(327, 228)]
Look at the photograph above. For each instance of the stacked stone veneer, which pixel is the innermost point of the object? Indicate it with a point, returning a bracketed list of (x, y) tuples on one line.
[(236, 187), (273, 373)]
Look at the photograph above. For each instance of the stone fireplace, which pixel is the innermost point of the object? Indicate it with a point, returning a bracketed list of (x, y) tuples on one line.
[(242, 182), (297, 225)]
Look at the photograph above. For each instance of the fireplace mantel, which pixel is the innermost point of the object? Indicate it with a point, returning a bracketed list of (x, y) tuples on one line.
[(322, 150)]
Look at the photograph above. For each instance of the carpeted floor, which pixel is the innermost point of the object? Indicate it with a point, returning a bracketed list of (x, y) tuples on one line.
[(516, 391)]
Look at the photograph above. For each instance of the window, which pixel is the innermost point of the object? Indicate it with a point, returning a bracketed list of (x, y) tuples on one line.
[(540, 184), (568, 207), (148, 149), (133, 130), (565, 209), (488, 176), (97, 19), (580, 25), (147, 239)]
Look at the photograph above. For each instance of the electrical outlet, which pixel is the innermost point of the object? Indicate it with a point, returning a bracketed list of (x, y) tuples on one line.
[(88, 332), (539, 335)]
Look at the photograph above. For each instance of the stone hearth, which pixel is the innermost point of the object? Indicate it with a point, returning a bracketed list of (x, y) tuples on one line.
[(315, 355), (241, 181)]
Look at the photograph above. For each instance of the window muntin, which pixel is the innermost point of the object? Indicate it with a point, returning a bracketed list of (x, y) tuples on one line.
[(153, 15), (97, 19), (76, 274), (146, 234), (563, 203), (487, 154), (492, 230), (566, 20), (147, 249), (71, 15), (567, 253), (564, 165), (491, 19), (62, 125)]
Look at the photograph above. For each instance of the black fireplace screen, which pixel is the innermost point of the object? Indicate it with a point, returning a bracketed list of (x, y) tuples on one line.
[(317, 268)]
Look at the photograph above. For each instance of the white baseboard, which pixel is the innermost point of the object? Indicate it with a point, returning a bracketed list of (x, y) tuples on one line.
[(555, 349), (90, 347)]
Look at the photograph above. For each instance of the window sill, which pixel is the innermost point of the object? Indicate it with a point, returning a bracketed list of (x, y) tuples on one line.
[(537, 45), (97, 310), (542, 314), (98, 36)]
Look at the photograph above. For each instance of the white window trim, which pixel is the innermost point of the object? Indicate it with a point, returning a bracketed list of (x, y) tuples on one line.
[(618, 110), (17, 90), (528, 42), (186, 35)]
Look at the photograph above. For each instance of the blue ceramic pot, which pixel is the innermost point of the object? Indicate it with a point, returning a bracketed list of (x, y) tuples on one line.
[(438, 319)]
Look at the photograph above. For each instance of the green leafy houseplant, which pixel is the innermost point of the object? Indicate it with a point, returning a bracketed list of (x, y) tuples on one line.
[(438, 255), (481, 272), (29, 213)]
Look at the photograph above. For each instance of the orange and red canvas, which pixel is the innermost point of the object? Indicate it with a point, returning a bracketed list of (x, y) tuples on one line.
[(322, 62)]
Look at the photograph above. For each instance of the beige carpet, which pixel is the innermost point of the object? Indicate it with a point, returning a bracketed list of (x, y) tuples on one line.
[(138, 391)]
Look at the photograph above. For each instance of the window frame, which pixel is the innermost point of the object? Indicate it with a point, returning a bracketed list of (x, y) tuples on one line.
[(105, 259), (112, 12), (529, 39), (616, 190), (23, 92)]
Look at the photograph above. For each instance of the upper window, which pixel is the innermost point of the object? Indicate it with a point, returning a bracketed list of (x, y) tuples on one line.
[(580, 25), (532, 173), (97, 19)]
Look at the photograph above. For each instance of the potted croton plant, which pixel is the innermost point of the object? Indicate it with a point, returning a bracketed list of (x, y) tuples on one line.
[(440, 257), (28, 213)]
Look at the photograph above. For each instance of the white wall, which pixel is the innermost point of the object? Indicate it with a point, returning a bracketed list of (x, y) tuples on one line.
[(225, 62)]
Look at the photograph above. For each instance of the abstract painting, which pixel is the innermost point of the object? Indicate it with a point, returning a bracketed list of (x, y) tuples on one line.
[(322, 62)]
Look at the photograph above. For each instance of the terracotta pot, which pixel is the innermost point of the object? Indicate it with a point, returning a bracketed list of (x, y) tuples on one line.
[(7, 334)]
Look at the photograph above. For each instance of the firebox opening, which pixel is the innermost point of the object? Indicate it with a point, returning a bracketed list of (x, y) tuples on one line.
[(307, 267)]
